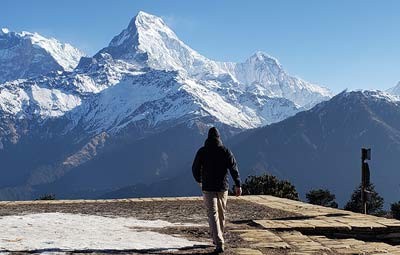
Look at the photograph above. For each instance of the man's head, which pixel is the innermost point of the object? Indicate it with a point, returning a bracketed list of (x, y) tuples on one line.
[(213, 133)]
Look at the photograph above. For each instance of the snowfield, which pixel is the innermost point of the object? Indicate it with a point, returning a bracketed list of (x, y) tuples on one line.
[(63, 232)]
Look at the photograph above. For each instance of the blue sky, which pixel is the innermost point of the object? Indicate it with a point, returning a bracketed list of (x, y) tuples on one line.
[(339, 44)]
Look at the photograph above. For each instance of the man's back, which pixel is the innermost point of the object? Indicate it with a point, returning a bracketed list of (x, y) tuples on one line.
[(212, 163)]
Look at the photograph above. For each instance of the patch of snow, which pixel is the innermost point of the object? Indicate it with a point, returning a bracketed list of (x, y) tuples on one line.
[(12, 101), (68, 232), (53, 102)]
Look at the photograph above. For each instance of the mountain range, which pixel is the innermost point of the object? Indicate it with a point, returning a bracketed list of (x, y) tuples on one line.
[(67, 116), (132, 116)]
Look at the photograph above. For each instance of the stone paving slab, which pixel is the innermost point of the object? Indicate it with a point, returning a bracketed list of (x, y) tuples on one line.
[(246, 251), (321, 218), (260, 238)]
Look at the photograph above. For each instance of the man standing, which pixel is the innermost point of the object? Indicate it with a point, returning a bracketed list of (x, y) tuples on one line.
[(210, 169)]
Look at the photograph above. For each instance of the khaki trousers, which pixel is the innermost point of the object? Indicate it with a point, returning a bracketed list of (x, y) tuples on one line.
[(215, 203)]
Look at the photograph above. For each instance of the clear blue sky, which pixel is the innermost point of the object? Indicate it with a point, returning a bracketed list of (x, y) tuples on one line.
[(340, 44)]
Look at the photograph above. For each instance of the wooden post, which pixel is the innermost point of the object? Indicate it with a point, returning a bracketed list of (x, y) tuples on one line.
[(365, 155)]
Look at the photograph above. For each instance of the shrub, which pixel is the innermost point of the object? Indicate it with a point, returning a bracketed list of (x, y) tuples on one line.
[(269, 185), (47, 197), (321, 197)]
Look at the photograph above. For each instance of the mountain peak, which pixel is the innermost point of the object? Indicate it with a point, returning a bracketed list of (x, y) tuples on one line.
[(4, 31), (148, 41), (30, 55), (144, 17), (395, 90), (143, 23), (264, 57)]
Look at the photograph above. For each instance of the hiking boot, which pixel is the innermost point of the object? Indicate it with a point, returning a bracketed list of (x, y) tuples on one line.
[(219, 249)]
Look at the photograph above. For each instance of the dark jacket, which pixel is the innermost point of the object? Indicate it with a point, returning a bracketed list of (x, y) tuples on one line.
[(211, 164)]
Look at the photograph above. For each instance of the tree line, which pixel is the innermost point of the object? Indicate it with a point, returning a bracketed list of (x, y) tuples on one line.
[(267, 184)]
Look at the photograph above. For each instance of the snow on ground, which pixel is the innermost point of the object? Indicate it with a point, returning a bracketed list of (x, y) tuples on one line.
[(66, 232)]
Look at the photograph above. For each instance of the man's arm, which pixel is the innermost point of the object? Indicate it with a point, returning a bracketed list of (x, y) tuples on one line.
[(196, 167), (233, 169)]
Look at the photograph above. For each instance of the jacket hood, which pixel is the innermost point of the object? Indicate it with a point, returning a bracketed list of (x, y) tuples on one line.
[(213, 133)]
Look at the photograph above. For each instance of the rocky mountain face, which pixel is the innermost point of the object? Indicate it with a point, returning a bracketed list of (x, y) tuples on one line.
[(321, 148), (87, 129), (27, 55)]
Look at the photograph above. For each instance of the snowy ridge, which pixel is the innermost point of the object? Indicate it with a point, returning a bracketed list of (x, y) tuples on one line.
[(372, 94), (380, 95), (26, 55), (53, 96), (160, 96), (395, 90), (368, 96)]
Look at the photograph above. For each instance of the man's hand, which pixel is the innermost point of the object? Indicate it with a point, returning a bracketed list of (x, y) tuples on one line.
[(238, 191), (199, 184)]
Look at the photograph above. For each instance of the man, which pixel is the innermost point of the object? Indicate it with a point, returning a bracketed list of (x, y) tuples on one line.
[(210, 169)]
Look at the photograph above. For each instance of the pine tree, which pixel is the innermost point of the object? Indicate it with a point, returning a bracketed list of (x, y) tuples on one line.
[(395, 210), (374, 201), (321, 197)]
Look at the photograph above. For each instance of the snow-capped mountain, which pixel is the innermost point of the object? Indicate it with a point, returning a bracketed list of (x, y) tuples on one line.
[(158, 78), (148, 41), (27, 55), (395, 90), (263, 74)]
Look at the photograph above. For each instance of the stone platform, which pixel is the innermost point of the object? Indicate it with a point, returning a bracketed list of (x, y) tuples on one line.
[(255, 225), (321, 230)]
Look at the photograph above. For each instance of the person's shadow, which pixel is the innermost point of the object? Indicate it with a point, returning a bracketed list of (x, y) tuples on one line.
[(190, 250)]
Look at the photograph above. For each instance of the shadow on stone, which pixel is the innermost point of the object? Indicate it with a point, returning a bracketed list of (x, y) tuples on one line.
[(305, 217), (114, 251)]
